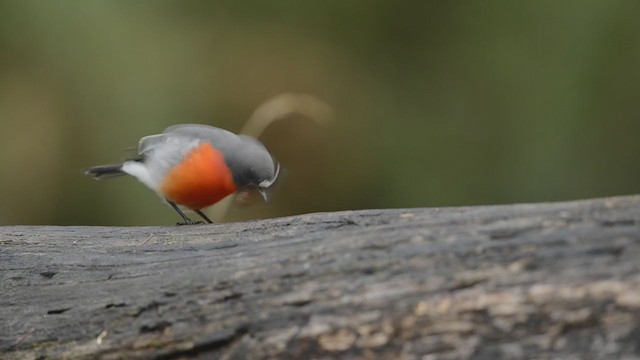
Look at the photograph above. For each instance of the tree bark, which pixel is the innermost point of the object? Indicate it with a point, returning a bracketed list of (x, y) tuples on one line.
[(517, 281)]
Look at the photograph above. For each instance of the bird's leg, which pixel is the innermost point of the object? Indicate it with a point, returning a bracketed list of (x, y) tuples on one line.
[(186, 219), (202, 215)]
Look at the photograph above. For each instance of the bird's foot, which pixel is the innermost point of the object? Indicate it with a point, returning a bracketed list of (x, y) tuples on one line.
[(191, 222)]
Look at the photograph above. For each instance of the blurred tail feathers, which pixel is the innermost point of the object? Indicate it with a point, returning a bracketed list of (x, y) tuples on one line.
[(105, 171)]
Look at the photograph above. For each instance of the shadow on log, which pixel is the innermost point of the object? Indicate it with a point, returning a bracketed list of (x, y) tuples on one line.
[(517, 281)]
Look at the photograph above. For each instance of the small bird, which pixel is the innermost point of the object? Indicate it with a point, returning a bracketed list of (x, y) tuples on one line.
[(195, 166)]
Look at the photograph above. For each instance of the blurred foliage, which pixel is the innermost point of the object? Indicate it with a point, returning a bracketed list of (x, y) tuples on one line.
[(437, 103)]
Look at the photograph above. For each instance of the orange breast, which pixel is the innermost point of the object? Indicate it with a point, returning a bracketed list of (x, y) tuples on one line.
[(200, 180)]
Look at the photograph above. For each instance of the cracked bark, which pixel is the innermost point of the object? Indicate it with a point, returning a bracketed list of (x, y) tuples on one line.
[(516, 281)]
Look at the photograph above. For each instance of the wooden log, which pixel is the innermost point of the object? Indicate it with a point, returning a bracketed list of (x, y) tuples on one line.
[(516, 281)]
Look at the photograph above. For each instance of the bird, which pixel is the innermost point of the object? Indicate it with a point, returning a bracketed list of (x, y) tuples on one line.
[(193, 166)]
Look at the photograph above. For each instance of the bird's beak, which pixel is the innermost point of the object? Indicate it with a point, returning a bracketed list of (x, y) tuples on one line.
[(264, 194)]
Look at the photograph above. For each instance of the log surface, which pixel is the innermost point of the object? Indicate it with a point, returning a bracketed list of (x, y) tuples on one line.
[(516, 281)]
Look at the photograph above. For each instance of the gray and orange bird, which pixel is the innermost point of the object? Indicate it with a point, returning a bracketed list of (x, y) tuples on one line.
[(195, 166)]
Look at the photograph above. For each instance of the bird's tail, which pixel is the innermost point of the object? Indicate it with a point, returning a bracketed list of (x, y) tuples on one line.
[(105, 171)]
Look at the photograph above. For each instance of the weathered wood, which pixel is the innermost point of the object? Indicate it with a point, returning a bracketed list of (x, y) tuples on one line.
[(539, 280)]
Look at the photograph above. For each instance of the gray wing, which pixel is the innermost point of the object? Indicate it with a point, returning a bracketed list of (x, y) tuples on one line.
[(204, 132), (220, 137), (148, 143)]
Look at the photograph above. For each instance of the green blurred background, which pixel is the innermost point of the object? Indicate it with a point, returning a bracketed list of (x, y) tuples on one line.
[(437, 103)]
